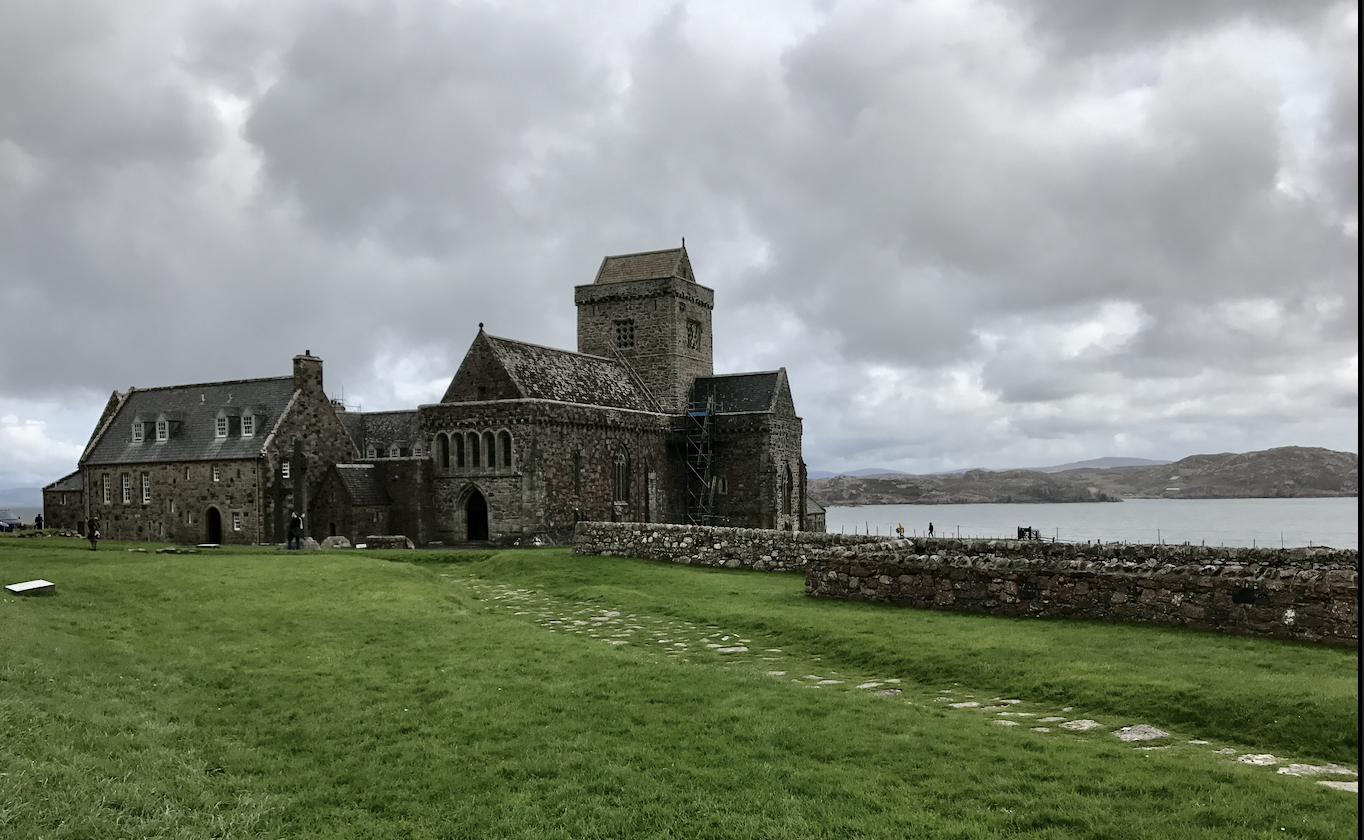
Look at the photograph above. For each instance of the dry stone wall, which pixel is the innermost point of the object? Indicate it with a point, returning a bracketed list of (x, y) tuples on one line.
[(1305, 593), (697, 545), (1311, 594)]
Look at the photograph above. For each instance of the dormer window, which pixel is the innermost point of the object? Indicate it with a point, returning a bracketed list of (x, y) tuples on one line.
[(163, 430), (220, 427), (371, 452), (417, 449), (137, 432), (248, 426), (394, 451)]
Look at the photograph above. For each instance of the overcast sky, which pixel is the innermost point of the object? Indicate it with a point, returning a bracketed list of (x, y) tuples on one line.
[(994, 234)]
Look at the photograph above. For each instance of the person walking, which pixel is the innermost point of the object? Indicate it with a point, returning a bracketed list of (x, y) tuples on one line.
[(930, 529), (900, 529), (38, 522), (295, 531), (92, 531)]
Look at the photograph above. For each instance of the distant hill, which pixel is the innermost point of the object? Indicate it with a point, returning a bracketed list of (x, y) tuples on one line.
[(1102, 464), (1285, 472), (22, 497)]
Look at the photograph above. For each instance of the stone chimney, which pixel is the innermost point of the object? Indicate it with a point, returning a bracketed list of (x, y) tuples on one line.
[(308, 373)]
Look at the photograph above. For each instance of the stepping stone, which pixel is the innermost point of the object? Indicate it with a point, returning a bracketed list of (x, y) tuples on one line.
[(1041, 729), (1140, 732), (1005, 722), (32, 587), (829, 682), (993, 708), (737, 649), (1052, 719), (1198, 742), (1348, 787), (969, 704), (776, 673), (871, 685), (887, 692), (1227, 751), (1082, 725), (1258, 759), (1316, 770)]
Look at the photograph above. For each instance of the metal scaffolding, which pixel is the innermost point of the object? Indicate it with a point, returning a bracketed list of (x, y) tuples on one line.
[(699, 457)]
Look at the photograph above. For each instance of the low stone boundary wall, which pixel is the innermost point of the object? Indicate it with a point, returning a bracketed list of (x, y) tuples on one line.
[(1301, 593), (702, 545)]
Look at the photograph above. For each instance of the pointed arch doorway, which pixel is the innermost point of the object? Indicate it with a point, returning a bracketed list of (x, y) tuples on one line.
[(476, 517)]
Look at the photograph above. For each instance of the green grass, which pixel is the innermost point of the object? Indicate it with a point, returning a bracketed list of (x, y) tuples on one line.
[(259, 693)]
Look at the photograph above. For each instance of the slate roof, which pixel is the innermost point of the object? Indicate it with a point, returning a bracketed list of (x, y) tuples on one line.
[(649, 265), (737, 391), (67, 482), (362, 484), (195, 407), (544, 373), (354, 424), (811, 506), (384, 428)]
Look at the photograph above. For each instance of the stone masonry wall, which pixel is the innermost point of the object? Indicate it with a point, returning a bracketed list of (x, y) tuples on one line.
[(1310, 594), (697, 545)]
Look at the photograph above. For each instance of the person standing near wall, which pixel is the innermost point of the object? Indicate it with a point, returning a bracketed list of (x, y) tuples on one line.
[(295, 531), (92, 531)]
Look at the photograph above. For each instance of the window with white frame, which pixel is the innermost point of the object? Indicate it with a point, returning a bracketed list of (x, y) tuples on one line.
[(394, 451), (284, 469), (146, 489), (106, 489), (162, 430), (137, 432), (417, 449), (236, 521), (127, 488), (216, 474), (221, 427), (248, 426), (371, 452)]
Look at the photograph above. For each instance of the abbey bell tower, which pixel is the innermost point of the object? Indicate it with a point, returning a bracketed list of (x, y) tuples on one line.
[(648, 310)]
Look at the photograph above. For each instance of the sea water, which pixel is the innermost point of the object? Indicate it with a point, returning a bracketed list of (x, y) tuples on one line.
[(1267, 523)]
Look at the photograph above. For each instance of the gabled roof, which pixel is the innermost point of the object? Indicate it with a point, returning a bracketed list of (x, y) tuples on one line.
[(362, 484), (516, 370), (648, 265), (382, 429), (811, 506), (67, 482), (194, 408), (737, 391)]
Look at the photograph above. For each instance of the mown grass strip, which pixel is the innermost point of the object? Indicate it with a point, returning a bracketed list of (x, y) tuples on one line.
[(265, 694)]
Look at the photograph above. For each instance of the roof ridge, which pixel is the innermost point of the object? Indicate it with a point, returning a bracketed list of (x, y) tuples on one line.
[(644, 253), (208, 384), (552, 349), (386, 411), (742, 373)]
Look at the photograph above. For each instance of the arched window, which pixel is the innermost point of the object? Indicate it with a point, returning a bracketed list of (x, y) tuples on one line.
[(443, 451), (504, 438), (490, 449), (786, 491), (459, 450), (620, 476), (473, 450)]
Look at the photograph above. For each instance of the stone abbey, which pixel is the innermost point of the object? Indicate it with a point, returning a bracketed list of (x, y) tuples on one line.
[(527, 441)]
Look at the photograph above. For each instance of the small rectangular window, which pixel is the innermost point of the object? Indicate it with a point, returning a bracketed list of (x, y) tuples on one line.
[(284, 468), (162, 430), (236, 521), (721, 485), (146, 489), (106, 489), (215, 472), (625, 333), (248, 426), (127, 488), (221, 428), (416, 450), (137, 432)]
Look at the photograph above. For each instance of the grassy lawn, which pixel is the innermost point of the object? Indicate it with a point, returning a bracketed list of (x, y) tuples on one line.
[(259, 693)]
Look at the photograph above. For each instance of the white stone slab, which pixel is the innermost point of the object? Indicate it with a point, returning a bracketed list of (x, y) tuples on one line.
[(33, 587)]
